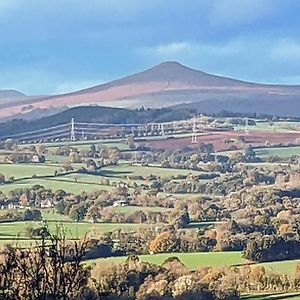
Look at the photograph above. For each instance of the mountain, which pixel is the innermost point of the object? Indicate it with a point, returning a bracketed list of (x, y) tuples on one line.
[(10, 96), (169, 84)]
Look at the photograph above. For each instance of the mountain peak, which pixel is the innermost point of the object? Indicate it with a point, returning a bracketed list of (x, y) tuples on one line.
[(171, 65), (6, 93)]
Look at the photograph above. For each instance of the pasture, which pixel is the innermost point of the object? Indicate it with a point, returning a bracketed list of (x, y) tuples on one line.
[(283, 127), (283, 267), (191, 260), (55, 184), (27, 170), (123, 170), (16, 231), (284, 152)]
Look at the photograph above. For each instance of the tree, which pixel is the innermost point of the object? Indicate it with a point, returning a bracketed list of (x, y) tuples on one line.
[(42, 159), (31, 148), (77, 213), (180, 219), (2, 178), (44, 271), (165, 242), (32, 215), (249, 152), (130, 143), (60, 207), (91, 165), (93, 151), (41, 149), (68, 167)]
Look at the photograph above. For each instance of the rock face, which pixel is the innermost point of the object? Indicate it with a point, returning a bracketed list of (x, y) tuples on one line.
[(169, 84)]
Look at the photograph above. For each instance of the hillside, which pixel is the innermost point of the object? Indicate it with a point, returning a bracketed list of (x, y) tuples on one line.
[(10, 96), (5, 94), (169, 84), (95, 114)]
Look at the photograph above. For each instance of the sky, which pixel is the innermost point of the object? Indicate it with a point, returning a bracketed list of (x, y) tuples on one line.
[(57, 46)]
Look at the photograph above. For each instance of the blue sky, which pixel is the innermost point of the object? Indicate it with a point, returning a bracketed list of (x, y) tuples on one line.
[(55, 46)]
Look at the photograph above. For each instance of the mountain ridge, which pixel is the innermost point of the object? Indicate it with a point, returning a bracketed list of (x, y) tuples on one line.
[(167, 84)]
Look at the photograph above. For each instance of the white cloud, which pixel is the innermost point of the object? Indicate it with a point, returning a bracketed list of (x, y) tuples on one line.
[(175, 50), (171, 48)]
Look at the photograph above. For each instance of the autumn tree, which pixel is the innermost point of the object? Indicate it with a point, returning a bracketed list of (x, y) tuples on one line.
[(45, 271), (165, 242)]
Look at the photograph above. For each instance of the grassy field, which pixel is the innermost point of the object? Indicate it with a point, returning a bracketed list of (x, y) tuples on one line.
[(16, 230), (283, 152), (66, 185), (49, 214), (191, 260), (27, 170), (77, 183), (85, 145), (127, 169), (282, 267), (213, 259), (277, 127)]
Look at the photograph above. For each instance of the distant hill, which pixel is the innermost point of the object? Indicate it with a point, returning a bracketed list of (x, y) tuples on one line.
[(96, 114), (11, 96), (170, 84)]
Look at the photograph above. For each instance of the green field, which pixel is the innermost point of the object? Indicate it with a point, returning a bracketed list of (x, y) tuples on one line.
[(212, 259), (191, 260), (283, 152), (137, 170), (77, 183), (16, 231), (277, 127), (68, 186), (85, 145), (49, 214), (282, 267), (27, 170)]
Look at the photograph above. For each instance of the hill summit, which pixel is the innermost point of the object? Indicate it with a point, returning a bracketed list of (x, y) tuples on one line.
[(166, 84)]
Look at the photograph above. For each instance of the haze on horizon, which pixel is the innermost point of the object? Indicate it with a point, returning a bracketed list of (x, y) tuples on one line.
[(50, 47)]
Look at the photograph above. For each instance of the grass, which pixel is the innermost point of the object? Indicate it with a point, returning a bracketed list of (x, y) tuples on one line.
[(27, 170), (49, 214), (132, 209), (68, 186), (73, 230), (277, 127), (77, 183), (85, 145), (283, 267), (127, 169), (283, 152), (191, 260)]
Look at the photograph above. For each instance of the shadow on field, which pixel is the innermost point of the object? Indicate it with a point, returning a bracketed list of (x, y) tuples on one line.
[(110, 173)]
